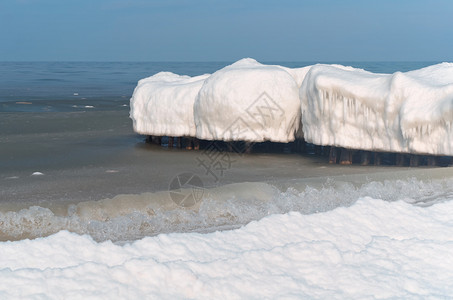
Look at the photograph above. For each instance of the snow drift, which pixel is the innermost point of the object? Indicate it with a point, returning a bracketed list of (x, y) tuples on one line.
[(162, 104), (376, 249), (400, 112), (248, 101)]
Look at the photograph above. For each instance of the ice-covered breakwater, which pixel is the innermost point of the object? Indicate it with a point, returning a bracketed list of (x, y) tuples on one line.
[(162, 105), (408, 112), (248, 101), (329, 105)]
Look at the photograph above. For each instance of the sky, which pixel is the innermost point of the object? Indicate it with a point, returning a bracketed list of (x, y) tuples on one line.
[(226, 30)]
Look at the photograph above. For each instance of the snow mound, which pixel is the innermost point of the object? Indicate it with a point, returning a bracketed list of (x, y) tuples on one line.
[(162, 104), (249, 101), (400, 112), (372, 249)]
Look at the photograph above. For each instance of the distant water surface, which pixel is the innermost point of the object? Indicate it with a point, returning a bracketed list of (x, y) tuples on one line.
[(93, 82)]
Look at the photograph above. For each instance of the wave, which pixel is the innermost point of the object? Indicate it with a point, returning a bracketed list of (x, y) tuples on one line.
[(131, 217)]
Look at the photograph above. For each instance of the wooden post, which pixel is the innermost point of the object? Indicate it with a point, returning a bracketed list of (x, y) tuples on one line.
[(431, 160), (189, 143), (399, 159), (414, 160), (318, 150), (248, 147), (170, 142), (345, 157), (333, 155), (377, 159), (301, 145), (230, 146), (196, 144), (364, 158)]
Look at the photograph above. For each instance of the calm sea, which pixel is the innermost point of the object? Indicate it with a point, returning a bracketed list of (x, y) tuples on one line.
[(97, 83)]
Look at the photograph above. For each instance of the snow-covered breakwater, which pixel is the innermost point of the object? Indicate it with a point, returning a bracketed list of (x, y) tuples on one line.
[(329, 105), (408, 112)]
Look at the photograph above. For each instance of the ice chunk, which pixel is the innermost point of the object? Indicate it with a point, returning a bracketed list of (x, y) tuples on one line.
[(249, 101), (162, 104)]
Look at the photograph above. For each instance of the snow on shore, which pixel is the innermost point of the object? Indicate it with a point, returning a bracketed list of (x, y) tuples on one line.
[(373, 249)]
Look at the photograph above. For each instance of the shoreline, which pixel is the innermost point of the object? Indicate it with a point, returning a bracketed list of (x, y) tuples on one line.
[(86, 156), (89, 173)]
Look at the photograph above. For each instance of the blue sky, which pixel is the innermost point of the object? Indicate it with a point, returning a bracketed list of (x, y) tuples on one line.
[(222, 30)]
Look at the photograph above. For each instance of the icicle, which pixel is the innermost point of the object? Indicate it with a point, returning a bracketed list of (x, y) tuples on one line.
[(322, 97), (344, 109)]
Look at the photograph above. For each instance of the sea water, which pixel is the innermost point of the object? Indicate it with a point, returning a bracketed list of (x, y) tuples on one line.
[(66, 141), (73, 172)]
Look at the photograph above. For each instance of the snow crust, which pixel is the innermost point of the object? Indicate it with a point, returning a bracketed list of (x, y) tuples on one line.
[(373, 249), (400, 112), (162, 104)]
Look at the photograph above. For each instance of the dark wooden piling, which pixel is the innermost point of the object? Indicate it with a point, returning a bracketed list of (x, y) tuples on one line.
[(431, 161), (377, 159), (346, 156), (189, 142), (365, 158), (318, 150), (196, 144), (299, 145), (248, 147), (414, 160), (399, 159), (333, 155)]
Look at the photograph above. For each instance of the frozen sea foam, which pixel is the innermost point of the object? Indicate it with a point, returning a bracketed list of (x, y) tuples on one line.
[(372, 249), (401, 112), (249, 101), (162, 104)]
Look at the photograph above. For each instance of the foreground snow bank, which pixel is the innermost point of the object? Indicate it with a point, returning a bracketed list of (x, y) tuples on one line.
[(400, 112), (249, 101), (162, 104), (373, 249)]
